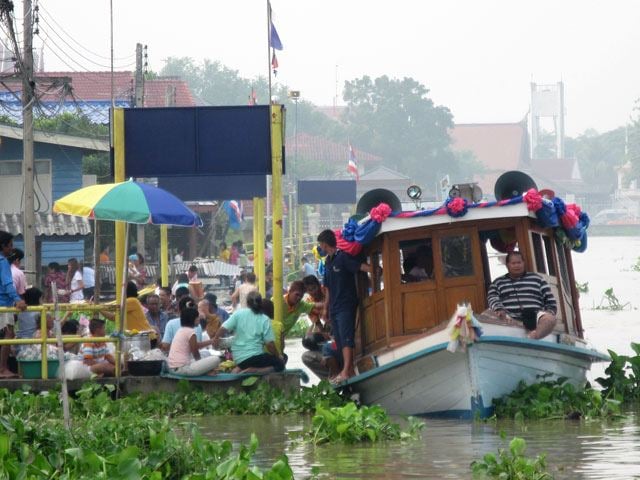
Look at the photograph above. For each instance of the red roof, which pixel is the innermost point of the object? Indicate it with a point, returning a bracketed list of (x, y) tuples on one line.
[(499, 146), (96, 86), (321, 149)]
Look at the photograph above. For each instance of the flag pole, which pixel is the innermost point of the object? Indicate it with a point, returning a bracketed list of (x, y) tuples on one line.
[(269, 47)]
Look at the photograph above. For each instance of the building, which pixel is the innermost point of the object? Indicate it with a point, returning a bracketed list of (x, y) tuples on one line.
[(58, 171), (58, 156)]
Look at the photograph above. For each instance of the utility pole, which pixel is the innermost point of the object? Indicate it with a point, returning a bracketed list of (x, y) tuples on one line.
[(28, 164), (139, 103)]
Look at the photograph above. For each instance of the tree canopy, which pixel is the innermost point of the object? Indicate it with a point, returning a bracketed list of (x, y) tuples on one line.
[(396, 119)]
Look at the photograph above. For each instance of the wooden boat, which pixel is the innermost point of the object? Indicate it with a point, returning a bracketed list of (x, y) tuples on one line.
[(402, 334)]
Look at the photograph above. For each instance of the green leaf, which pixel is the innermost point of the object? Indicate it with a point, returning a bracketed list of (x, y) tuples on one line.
[(250, 381)]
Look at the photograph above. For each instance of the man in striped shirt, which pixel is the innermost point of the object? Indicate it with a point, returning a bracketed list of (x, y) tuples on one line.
[(519, 293)]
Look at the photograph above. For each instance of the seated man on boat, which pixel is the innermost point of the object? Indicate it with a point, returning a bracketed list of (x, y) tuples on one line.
[(523, 296)]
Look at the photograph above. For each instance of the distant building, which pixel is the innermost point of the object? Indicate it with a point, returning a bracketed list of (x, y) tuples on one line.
[(90, 94), (501, 147)]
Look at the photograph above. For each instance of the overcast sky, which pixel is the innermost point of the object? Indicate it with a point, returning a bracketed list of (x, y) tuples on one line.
[(477, 57)]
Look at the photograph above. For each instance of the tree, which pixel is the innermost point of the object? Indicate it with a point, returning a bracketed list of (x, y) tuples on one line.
[(216, 84), (398, 121), (598, 155)]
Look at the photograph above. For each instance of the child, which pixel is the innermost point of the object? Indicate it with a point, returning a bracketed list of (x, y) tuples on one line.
[(184, 356), (29, 322), (96, 354)]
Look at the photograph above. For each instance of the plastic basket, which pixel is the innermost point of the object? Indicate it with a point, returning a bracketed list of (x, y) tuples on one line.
[(33, 368)]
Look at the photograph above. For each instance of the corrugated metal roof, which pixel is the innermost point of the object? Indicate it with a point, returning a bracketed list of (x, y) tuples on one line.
[(47, 224)]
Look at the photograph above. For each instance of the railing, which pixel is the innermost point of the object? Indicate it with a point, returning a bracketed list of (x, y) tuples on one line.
[(44, 340)]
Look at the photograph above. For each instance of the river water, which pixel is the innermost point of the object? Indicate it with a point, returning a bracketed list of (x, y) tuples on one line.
[(574, 449)]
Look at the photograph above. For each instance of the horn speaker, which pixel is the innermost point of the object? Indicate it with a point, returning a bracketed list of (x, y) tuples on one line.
[(375, 197), (512, 184)]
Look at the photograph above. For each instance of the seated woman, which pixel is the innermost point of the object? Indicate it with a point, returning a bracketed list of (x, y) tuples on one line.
[(253, 334), (184, 354), (135, 318)]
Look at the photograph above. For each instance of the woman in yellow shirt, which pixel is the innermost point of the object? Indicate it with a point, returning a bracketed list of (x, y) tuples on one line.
[(136, 319)]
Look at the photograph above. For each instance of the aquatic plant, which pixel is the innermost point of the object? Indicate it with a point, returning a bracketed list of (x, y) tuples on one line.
[(623, 376), (612, 301), (350, 424), (511, 464), (125, 445), (555, 399), (299, 329), (582, 287)]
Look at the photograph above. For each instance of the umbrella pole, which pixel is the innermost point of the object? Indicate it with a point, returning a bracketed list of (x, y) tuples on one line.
[(123, 300), (61, 370)]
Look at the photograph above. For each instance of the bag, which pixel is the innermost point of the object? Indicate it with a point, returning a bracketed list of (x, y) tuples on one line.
[(530, 318)]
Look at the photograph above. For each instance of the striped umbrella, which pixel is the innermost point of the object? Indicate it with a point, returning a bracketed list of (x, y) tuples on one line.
[(130, 202)]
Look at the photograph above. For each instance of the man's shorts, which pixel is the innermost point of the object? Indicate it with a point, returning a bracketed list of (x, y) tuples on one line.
[(344, 325), (6, 319)]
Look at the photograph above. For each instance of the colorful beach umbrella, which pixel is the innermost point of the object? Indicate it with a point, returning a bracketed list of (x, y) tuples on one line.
[(130, 202)]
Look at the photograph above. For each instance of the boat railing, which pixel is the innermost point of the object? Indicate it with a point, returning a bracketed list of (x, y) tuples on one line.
[(44, 340)]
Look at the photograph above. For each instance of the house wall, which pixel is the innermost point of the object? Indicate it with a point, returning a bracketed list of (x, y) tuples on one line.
[(66, 170)]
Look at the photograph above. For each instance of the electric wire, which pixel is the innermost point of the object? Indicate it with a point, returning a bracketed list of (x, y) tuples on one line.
[(76, 51), (127, 57)]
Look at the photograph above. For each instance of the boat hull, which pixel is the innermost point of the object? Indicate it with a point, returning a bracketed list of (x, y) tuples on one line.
[(435, 382)]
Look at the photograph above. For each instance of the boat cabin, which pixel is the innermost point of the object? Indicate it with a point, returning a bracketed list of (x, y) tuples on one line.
[(423, 267)]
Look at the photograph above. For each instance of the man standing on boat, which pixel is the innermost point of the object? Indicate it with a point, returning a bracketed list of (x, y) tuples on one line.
[(523, 296), (341, 298)]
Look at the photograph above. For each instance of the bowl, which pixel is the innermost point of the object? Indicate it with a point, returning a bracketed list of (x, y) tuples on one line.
[(145, 368)]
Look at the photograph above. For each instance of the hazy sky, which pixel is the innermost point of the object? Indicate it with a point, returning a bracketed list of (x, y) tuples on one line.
[(477, 57)]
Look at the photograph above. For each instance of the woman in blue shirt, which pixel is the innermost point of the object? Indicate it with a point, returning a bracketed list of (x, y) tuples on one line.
[(252, 335)]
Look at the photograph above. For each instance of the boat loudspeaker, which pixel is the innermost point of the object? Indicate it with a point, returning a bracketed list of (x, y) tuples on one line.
[(375, 197), (512, 184)]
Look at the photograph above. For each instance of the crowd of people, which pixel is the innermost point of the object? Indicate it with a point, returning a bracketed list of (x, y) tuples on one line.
[(196, 333)]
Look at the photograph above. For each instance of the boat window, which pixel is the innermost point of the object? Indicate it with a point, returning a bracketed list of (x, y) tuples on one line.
[(416, 260), (457, 260), (562, 261), (538, 253), (376, 262), (548, 249)]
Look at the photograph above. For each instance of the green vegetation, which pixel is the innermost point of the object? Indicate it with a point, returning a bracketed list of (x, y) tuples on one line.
[(623, 376), (511, 464), (582, 287), (109, 439), (611, 302), (636, 266), (350, 424), (555, 399), (559, 399)]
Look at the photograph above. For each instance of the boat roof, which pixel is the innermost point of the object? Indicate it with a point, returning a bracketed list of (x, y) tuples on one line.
[(393, 224)]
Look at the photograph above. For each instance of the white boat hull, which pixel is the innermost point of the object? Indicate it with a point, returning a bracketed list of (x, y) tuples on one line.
[(433, 381)]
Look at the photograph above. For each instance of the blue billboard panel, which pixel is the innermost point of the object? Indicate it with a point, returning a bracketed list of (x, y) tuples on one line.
[(326, 191), (206, 188), (179, 141)]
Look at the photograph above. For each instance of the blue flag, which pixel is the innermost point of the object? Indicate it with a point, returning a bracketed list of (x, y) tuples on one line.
[(234, 211), (275, 38)]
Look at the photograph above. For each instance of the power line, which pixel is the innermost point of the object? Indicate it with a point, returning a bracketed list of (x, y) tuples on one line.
[(127, 57), (79, 53)]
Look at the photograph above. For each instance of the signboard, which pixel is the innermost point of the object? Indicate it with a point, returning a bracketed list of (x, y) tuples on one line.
[(326, 191)]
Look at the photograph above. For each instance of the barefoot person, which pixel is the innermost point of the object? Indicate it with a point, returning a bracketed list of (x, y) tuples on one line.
[(253, 334), (8, 298), (341, 298), (520, 294)]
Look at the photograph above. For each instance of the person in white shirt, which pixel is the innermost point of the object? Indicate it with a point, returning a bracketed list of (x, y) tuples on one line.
[(89, 281), (74, 281)]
